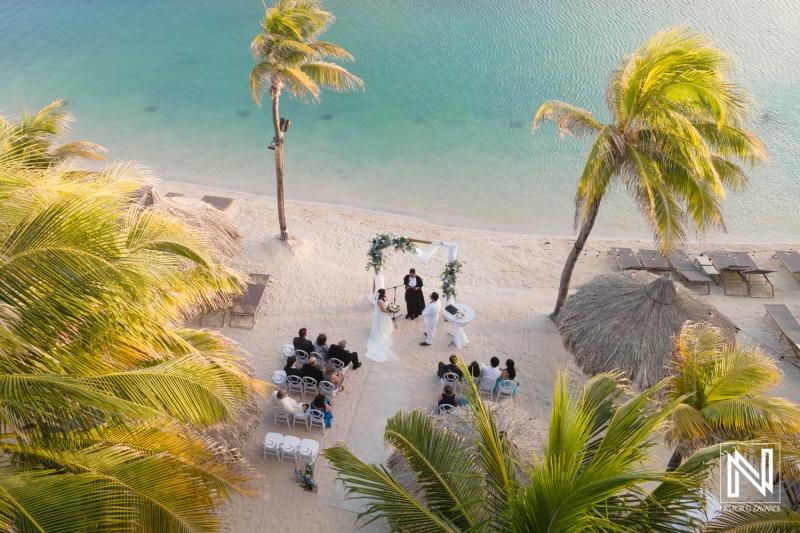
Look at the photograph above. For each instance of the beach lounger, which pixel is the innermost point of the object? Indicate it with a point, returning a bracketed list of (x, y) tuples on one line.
[(246, 306), (791, 260), (626, 259), (787, 324), (730, 274), (223, 204), (654, 261), (754, 275), (688, 271)]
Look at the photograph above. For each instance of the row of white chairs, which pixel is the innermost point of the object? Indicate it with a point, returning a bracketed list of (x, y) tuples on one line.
[(281, 446), (302, 357), (311, 418), (505, 389), (304, 385)]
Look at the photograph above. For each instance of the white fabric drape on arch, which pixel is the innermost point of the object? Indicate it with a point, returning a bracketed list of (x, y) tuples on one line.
[(451, 251)]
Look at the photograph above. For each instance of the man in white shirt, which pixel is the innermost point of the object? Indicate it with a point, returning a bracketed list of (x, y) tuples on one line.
[(431, 316), (491, 371), (286, 404)]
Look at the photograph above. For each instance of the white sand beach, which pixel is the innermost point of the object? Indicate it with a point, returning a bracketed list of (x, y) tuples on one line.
[(319, 281)]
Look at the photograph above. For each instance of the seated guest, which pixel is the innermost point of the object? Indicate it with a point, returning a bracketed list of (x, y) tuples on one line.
[(321, 346), (322, 403), (310, 370), (301, 343), (474, 369), (333, 375), (285, 403), (491, 371), (290, 367), (509, 373), (337, 351), (449, 397), (452, 367)]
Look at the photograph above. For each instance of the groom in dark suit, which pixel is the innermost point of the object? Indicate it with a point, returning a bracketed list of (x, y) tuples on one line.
[(337, 351)]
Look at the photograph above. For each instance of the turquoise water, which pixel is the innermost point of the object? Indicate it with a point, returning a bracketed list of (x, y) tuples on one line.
[(442, 129)]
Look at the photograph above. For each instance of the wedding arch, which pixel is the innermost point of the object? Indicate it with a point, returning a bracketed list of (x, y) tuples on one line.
[(384, 241)]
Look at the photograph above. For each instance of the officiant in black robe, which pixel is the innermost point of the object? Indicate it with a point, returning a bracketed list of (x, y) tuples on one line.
[(415, 298)]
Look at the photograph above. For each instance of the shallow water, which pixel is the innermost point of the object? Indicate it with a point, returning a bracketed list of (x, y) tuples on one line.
[(442, 129)]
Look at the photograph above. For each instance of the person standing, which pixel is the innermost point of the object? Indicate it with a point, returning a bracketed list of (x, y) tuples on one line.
[(415, 301), (431, 316)]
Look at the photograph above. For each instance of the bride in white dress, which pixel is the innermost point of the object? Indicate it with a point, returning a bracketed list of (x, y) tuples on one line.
[(379, 344)]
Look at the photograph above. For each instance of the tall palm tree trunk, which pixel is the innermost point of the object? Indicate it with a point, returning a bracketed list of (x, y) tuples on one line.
[(572, 258), (674, 461), (275, 93)]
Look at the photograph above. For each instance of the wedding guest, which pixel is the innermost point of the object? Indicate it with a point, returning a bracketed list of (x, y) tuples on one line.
[(509, 373), (449, 397), (337, 351), (324, 404), (452, 367), (301, 343), (321, 346), (415, 299), (333, 375), (310, 370), (285, 403), (291, 367), (491, 371), (474, 369)]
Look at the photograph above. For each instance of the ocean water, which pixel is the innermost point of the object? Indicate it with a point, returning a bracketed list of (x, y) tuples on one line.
[(442, 130)]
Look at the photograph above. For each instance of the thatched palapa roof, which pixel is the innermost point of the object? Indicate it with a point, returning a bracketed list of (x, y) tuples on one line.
[(627, 322)]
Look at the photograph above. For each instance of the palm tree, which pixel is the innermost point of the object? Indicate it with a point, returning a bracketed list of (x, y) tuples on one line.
[(30, 139), (114, 417), (590, 475), (723, 387), (678, 129), (289, 58)]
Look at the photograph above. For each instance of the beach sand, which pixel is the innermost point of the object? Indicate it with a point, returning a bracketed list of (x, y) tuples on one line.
[(319, 281)]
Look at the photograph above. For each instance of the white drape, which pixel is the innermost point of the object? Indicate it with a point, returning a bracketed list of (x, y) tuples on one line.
[(451, 251)]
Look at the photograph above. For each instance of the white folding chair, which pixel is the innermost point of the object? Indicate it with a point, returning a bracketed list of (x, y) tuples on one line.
[(302, 357), (309, 384), (289, 447), (449, 378), (301, 416), (328, 389), (317, 418), (288, 350), (319, 358), (308, 451), (337, 364), (446, 409), (271, 445), (487, 386), (294, 384), (279, 416), (279, 378), (506, 388)]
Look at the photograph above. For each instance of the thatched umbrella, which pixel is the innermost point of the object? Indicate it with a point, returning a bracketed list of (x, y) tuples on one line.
[(525, 433), (216, 226), (627, 322)]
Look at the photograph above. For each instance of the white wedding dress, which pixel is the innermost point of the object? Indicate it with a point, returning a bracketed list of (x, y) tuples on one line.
[(379, 344)]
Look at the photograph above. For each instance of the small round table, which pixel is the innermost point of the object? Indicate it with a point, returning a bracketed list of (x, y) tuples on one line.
[(459, 337)]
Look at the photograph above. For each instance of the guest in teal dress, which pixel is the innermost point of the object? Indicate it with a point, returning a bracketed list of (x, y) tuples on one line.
[(508, 373), (323, 403)]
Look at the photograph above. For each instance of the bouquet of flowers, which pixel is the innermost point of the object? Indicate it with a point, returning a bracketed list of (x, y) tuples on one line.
[(461, 313), (307, 479), (393, 308)]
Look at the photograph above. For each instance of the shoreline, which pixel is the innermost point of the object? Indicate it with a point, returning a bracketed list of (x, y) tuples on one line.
[(597, 234)]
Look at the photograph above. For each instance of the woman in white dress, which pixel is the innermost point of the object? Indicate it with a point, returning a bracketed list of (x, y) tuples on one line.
[(379, 344)]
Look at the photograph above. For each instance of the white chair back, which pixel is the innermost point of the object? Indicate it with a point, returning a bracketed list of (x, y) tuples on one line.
[(337, 364), (309, 384), (451, 379), (506, 388), (327, 388), (271, 445), (446, 409), (319, 358), (317, 418), (279, 416), (487, 386), (302, 357), (288, 350), (279, 377), (294, 383), (302, 416)]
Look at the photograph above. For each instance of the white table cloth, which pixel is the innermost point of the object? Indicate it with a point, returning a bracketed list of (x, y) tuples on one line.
[(459, 336)]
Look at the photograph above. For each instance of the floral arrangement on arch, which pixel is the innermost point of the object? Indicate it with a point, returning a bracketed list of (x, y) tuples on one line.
[(449, 278), (383, 241)]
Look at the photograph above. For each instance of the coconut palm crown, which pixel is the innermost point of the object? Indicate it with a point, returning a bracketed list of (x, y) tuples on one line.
[(289, 58), (677, 139)]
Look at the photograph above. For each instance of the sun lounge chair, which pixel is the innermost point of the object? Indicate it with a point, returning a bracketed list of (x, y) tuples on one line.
[(247, 305), (729, 272), (787, 324), (688, 270), (626, 259), (791, 260), (654, 261), (223, 204)]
